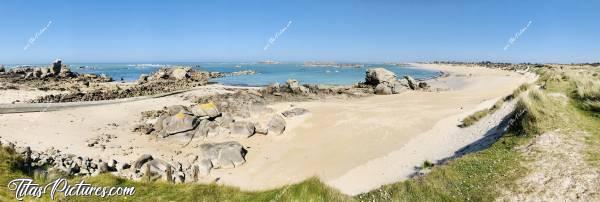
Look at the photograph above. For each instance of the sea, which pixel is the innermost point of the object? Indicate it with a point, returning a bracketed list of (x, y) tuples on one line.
[(266, 74)]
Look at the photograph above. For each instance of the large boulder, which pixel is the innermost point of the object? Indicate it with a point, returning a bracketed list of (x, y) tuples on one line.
[(242, 129), (141, 160), (294, 86), (207, 109), (412, 83), (56, 66), (379, 75), (181, 73), (2, 69), (223, 155), (398, 86), (383, 89), (276, 125), (178, 123)]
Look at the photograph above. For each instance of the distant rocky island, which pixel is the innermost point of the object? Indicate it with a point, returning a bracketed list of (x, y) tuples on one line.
[(332, 64), (269, 62)]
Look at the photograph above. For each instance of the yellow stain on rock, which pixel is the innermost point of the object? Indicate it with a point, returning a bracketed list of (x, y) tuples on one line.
[(180, 115), (207, 106)]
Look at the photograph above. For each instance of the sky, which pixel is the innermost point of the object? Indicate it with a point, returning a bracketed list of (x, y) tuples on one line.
[(299, 30)]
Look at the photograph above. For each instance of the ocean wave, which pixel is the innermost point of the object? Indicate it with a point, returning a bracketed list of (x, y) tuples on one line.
[(146, 65)]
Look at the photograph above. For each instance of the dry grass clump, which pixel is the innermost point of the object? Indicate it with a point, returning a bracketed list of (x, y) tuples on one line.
[(586, 90), (539, 112)]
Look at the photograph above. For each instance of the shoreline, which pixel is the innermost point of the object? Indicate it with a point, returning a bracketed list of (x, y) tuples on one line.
[(336, 138)]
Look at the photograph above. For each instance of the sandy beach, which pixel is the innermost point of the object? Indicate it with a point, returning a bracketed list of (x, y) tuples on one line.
[(353, 145)]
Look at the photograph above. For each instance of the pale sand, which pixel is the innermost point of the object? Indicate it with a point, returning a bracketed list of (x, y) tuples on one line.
[(10, 96), (354, 145)]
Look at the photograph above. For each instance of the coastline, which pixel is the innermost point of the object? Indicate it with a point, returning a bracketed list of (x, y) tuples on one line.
[(336, 141)]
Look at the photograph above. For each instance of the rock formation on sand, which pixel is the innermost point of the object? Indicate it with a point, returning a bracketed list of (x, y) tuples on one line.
[(242, 114), (385, 82), (230, 115)]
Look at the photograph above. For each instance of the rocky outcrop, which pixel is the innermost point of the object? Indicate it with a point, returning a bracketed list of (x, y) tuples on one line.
[(293, 86), (56, 67), (53, 162), (377, 76), (55, 77), (292, 90), (385, 82), (163, 81), (200, 120)]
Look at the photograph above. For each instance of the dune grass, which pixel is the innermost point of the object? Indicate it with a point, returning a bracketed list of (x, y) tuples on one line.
[(478, 115), (479, 176), (586, 91)]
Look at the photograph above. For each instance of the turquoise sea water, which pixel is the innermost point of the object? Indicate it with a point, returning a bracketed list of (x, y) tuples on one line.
[(265, 73)]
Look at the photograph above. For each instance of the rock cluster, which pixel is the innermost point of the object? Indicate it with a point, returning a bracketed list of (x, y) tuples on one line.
[(52, 162), (163, 81), (184, 123), (56, 70), (292, 90), (175, 73), (55, 77), (385, 82)]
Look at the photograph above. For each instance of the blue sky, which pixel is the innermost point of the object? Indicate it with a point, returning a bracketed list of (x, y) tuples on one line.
[(351, 31)]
